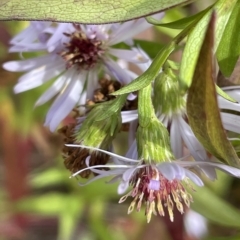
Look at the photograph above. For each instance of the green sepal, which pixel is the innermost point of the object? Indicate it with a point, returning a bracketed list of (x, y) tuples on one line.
[(167, 98), (99, 132), (145, 107), (153, 142)]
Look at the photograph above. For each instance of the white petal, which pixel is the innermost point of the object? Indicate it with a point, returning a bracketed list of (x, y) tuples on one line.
[(122, 187), (64, 104), (92, 83), (231, 170), (52, 91), (175, 138), (132, 151), (26, 65), (119, 73), (127, 175), (55, 39), (225, 104), (132, 28), (195, 148), (192, 142), (197, 180), (108, 173), (132, 55), (37, 77), (231, 122), (167, 170), (129, 116), (101, 150)]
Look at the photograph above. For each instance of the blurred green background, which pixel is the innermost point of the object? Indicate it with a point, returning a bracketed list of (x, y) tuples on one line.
[(38, 200)]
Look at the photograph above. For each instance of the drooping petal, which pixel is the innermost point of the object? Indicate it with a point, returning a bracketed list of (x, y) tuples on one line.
[(195, 148), (176, 139), (117, 71), (122, 187), (194, 178), (167, 170), (101, 150)]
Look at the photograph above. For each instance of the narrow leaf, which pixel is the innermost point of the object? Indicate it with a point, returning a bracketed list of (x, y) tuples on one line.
[(229, 47), (202, 106), (82, 11), (179, 24), (191, 51), (215, 209), (224, 95)]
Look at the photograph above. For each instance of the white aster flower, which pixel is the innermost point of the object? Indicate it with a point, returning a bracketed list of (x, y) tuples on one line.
[(156, 185), (76, 55)]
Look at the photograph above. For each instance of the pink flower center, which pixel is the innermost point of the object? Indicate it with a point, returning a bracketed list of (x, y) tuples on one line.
[(157, 192)]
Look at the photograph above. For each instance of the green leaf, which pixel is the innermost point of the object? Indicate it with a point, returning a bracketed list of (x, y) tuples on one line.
[(181, 23), (214, 208), (83, 11), (202, 106), (223, 238), (151, 73), (49, 204), (229, 47), (68, 218), (191, 51), (224, 95)]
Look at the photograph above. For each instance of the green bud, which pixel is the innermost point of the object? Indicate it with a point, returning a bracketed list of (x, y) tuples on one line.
[(96, 131), (153, 142), (167, 97)]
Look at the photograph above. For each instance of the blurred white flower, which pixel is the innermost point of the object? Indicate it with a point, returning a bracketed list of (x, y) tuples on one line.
[(195, 224)]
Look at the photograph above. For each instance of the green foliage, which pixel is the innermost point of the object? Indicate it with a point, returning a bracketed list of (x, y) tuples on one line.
[(229, 47), (181, 23), (223, 9), (214, 208), (83, 11)]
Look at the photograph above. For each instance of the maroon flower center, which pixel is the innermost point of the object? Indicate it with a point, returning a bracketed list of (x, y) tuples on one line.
[(81, 51)]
